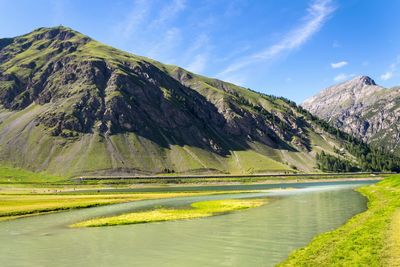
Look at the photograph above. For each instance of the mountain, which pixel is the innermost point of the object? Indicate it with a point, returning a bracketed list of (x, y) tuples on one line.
[(72, 106), (362, 108)]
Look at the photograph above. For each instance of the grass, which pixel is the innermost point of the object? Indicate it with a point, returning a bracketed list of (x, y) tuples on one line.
[(371, 238), (197, 210), (267, 179), (14, 205), (393, 245), (250, 161), (10, 174)]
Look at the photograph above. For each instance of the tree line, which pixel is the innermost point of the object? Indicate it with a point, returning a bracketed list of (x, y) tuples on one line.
[(369, 158)]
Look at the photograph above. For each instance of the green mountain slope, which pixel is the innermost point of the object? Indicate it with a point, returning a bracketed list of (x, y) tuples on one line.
[(71, 105)]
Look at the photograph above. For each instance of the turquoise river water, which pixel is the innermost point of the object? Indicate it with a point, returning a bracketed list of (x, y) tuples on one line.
[(261, 236)]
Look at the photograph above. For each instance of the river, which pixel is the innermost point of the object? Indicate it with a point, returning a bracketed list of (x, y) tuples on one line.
[(261, 236)]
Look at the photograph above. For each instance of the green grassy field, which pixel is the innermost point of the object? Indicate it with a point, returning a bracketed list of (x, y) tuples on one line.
[(226, 180), (197, 210), (13, 175), (371, 238), (16, 177)]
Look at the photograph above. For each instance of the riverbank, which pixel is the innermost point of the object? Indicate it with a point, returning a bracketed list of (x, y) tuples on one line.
[(256, 179), (28, 188), (286, 222), (11, 177), (368, 239), (21, 201)]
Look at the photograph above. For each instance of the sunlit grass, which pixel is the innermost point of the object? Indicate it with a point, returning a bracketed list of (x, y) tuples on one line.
[(10, 174), (393, 244), (14, 205), (197, 210)]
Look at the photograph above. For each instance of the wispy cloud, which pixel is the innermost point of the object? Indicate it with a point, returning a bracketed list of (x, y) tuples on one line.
[(342, 77), (149, 28), (169, 12), (387, 75), (339, 64), (199, 63), (197, 55), (392, 72), (317, 14), (135, 17), (145, 15), (162, 47)]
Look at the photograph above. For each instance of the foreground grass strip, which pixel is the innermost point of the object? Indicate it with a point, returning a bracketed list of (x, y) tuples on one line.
[(393, 244), (16, 205), (363, 240), (198, 210)]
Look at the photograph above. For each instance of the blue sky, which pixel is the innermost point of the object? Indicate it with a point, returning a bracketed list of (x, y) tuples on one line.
[(286, 48)]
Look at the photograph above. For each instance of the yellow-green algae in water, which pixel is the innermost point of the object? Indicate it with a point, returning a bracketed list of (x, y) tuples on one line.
[(197, 210)]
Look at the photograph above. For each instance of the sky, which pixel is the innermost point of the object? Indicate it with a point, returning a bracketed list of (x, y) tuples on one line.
[(279, 47)]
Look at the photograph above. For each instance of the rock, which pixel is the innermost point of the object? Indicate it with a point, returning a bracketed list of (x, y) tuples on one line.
[(362, 108)]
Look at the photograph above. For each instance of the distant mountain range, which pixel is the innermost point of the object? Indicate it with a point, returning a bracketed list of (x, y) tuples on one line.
[(71, 105), (362, 108)]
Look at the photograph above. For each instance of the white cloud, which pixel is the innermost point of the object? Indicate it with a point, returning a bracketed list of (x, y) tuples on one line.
[(149, 28), (338, 65), (140, 17), (169, 12), (317, 13), (135, 17), (234, 54), (195, 57), (343, 76), (200, 43), (199, 63), (392, 70), (162, 47), (387, 75)]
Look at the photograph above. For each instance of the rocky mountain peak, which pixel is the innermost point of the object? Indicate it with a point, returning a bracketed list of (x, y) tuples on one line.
[(351, 94), (362, 81), (80, 106), (350, 90), (362, 108), (59, 32)]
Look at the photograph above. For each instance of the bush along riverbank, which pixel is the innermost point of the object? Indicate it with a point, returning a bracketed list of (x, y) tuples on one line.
[(371, 238)]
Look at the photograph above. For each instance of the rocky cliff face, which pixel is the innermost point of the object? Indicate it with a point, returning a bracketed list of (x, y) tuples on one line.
[(73, 105), (362, 108)]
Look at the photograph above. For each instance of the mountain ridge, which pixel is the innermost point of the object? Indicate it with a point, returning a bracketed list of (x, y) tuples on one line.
[(364, 109), (72, 105)]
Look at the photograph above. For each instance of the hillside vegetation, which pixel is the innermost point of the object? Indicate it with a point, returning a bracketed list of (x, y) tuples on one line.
[(73, 106)]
